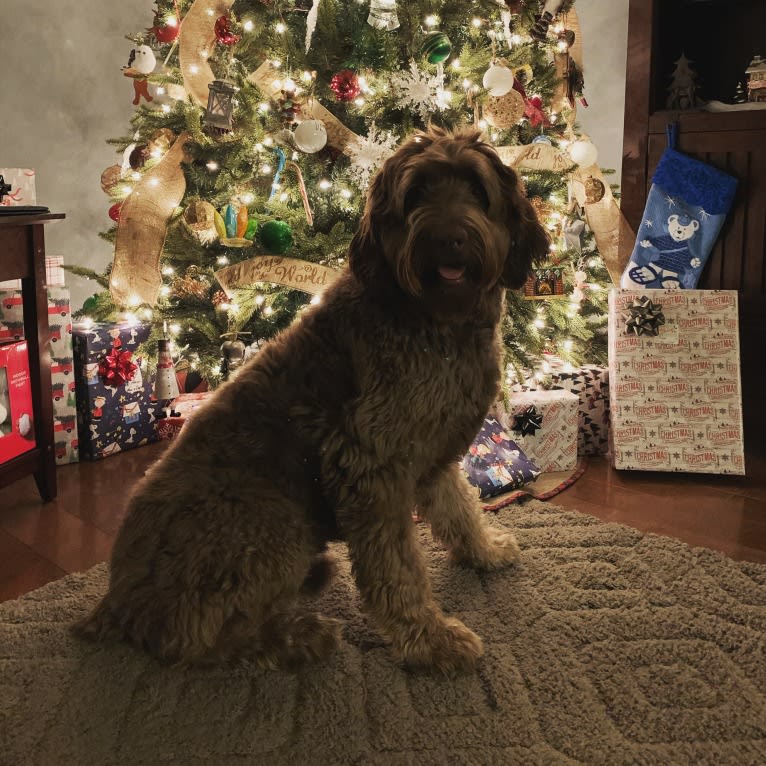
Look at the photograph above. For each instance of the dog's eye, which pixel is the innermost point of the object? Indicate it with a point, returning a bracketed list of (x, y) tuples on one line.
[(412, 198), (480, 193)]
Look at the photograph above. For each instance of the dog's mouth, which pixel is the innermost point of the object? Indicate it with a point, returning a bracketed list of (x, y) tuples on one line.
[(451, 274)]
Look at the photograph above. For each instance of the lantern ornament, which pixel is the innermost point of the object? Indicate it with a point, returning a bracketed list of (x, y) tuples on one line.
[(220, 106)]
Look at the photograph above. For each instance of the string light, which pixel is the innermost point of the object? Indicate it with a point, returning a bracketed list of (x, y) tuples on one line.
[(194, 69), (346, 193), (168, 270), (316, 299), (259, 299), (268, 311), (174, 328), (455, 64), (359, 101), (263, 107), (135, 175), (324, 184), (432, 20), (280, 28), (476, 22), (266, 169), (247, 198), (212, 166), (164, 291), (127, 189), (222, 260), (248, 26)]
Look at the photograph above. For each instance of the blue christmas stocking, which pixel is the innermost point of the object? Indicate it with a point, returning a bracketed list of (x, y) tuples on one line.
[(685, 210)]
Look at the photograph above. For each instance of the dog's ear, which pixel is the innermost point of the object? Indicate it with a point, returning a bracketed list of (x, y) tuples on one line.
[(530, 243), (365, 253)]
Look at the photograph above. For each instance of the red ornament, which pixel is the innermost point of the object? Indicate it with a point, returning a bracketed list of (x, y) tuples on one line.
[(345, 85), (223, 31), (114, 211), (164, 33), (116, 368)]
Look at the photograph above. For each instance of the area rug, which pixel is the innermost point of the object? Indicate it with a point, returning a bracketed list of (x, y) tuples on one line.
[(603, 646)]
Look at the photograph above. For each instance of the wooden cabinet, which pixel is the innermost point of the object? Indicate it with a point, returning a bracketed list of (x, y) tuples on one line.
[(720, 37)]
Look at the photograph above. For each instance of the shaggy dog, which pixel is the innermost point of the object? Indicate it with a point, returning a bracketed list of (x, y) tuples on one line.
[(346, 422)]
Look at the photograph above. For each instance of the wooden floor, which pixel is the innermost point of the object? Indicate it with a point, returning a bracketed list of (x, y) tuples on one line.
[(42, 542)]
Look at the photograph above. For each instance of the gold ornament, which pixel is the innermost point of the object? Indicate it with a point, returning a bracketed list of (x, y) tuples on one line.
[(594, 190), (199, 219), (219, 297), (194, 284), (504, 111), (110, 178), (161, 140), (542, 208)]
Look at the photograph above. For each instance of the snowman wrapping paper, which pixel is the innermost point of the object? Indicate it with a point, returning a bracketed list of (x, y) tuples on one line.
[(685, 209)]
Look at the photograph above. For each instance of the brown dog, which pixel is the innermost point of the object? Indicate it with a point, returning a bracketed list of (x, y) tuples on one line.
[(348, 420)]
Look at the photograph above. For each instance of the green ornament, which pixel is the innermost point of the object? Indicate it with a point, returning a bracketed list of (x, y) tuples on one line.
[(276, 236), (90, 303), (252, 227), (436, 47)]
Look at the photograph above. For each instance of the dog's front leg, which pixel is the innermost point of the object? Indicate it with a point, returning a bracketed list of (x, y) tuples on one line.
[(391, 575), (451, 505)]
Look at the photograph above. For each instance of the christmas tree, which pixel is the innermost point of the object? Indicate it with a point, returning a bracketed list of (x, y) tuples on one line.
[(259, 124)]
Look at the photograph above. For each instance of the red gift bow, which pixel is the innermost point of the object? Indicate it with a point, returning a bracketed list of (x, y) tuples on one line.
[(116, 368)]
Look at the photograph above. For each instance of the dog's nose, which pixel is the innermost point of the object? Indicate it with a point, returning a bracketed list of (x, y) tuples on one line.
[(453, 240)]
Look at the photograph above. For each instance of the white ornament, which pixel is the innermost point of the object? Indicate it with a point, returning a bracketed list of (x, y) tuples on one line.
[(310, 136), (584, 153), (311, 23), (143, 59), (419, 90), (498, 80), (368, 153)]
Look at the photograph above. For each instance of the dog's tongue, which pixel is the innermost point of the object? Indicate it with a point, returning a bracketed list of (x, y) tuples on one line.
[(451, 273)]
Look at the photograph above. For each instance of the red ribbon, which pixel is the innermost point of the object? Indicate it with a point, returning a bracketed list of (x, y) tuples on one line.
[(116, 368)]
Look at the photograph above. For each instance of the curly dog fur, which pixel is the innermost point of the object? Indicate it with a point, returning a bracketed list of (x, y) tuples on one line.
[(340, 427)]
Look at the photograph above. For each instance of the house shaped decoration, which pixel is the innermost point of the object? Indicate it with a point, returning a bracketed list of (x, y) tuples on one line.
[(756, 79)]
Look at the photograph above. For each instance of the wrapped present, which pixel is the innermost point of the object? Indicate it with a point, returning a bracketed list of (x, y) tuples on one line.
[(62, 365), (115, 410), (544, 424), (676, 402), (17, 428), (183, 408), (590, 383), (495, 463), (22, 183)]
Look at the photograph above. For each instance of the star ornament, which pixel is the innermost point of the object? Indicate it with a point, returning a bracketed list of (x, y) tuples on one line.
[(644, 317), (528, 421)]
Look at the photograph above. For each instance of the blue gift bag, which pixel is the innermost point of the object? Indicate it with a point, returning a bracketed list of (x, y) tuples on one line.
[(685, 210)]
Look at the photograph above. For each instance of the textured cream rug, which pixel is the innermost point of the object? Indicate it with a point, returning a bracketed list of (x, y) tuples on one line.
[(605, 646)]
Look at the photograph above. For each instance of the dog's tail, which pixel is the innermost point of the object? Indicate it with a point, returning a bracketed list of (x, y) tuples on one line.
[(100, 625)]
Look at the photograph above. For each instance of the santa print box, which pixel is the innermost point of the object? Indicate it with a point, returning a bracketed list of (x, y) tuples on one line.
[(111, 419), (676, 399), (17, 428)]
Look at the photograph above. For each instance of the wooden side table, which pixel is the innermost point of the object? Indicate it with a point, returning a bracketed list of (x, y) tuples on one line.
[(22, 256)]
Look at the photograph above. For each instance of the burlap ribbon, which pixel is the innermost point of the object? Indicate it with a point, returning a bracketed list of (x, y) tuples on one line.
[(142, 227), (195, 40)]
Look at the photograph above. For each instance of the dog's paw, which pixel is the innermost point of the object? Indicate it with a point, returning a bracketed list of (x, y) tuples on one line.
[(443, 646), (496, 550)]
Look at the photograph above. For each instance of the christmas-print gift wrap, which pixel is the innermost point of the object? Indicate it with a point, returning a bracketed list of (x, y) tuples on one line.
[(676, 402), (115, 411), (62, 363), (495, 463), (22, 183), (544, 424), (590, 383)]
